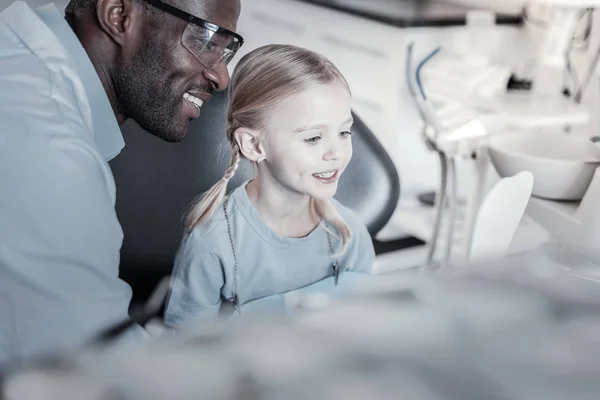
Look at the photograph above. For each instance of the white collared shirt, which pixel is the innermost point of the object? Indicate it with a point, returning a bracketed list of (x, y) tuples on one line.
[(59, 234)]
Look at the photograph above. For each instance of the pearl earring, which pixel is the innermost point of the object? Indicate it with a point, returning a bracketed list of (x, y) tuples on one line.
[(259, 160)]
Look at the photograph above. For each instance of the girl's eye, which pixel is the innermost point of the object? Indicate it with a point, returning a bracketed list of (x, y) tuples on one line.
[(345, 133), (313, 140)]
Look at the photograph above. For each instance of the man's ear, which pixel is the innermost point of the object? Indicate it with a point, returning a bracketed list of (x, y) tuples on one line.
[(249, 144), (117, 18)]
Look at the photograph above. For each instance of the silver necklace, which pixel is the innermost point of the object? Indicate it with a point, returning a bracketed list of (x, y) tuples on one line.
[(234, 299)]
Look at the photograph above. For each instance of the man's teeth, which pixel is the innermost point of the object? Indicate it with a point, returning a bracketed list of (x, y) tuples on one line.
[(326, 175), (194, 100)]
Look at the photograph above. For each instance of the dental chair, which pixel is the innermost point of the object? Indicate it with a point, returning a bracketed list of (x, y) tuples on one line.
[(156, 181)]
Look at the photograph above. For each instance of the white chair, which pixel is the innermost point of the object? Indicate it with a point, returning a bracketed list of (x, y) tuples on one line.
[(499, 215)]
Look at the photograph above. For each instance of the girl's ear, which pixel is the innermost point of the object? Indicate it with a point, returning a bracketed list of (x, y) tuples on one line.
[(250, 147)]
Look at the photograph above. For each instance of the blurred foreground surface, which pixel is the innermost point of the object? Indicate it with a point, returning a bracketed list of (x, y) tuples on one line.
[(504, 331)]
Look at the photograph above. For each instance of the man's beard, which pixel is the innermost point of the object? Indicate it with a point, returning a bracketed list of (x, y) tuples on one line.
[(144, 94)]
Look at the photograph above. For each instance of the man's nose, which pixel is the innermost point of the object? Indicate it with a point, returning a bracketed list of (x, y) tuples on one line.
[(218, 76)]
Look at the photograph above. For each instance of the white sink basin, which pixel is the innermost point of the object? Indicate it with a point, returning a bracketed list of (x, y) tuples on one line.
[(562, 165)]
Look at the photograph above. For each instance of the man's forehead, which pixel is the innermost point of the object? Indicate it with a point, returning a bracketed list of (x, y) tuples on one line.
[(224, 13)]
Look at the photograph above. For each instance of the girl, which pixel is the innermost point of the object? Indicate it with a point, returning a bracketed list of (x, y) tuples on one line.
[(288, 112)]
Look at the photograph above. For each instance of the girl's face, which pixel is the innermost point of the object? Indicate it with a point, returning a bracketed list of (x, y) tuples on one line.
[(307, 141)]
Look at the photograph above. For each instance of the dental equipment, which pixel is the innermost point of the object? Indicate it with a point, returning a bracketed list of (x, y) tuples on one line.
[(541, 112), (454, 131), (481, 85), (567, 188), (446, 165), (552, 59), (575, 223)]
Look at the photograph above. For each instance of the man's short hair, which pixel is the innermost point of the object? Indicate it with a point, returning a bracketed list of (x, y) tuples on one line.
[(76, 6)]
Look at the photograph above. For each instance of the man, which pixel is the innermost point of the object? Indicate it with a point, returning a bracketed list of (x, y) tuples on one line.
[(65, 85)]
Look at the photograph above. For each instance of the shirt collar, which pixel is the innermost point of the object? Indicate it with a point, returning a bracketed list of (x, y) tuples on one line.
[(107, 134)]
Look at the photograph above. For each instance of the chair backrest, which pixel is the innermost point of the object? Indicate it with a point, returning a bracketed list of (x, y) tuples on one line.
[(156, 181), (499, 216)]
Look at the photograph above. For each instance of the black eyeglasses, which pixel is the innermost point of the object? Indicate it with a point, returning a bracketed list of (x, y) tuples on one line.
[(209, 43)]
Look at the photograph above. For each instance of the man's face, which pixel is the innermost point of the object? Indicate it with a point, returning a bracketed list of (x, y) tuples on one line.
[(160, 83), (307, 141)]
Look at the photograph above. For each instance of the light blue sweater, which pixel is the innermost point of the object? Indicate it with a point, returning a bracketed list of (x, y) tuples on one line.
[(268, 264)]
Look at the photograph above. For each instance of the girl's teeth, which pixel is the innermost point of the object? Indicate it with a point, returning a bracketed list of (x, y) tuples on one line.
[(326, 175)]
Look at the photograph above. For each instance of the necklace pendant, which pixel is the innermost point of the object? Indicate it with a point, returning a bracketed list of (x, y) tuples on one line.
[(336, 272), (235, 302)]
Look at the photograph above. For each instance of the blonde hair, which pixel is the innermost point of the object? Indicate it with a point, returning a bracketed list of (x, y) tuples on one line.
[(263, 79)]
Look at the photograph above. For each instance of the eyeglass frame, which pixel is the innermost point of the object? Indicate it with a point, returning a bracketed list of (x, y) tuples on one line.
[(176, 12)]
